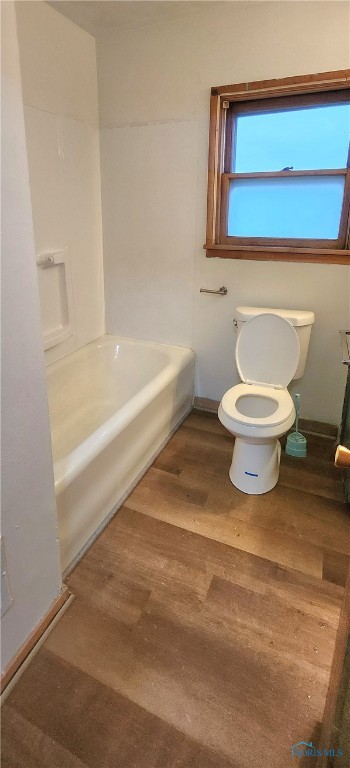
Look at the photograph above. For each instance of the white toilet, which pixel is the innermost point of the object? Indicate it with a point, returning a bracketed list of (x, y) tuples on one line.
[(271, 350)]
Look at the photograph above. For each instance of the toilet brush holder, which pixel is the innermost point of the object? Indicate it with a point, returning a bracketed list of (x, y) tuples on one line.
[(296, 444)]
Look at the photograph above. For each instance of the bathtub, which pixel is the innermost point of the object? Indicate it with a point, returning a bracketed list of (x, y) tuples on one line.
[(113, 405)]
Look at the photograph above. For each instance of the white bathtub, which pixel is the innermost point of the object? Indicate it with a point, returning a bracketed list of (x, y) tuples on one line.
[(113, 405)]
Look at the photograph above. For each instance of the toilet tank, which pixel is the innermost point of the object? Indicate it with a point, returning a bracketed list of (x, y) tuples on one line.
[(301, 320)]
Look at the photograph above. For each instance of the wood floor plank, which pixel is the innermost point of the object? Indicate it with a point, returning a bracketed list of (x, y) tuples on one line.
[(208, 422), (172, 634), (100, 727), (316, 462), (315, 474), (209, 687), (189, 445), (24, 745), (280, 548), (310, 483), (335, 566), (135, 541), (156, 675), (137, 555), (218, 440), (180, 487), (308, 518), (97, 581), (294, 632)]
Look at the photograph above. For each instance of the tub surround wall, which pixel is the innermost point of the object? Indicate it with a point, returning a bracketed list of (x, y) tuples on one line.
[(58, 63), (154, 79), (149, 211), (29, 523)]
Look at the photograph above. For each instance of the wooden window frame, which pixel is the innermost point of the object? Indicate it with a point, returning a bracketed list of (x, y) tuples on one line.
[(247, 96)]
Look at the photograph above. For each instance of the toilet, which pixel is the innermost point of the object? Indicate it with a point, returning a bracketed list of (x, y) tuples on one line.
[(271, 350)]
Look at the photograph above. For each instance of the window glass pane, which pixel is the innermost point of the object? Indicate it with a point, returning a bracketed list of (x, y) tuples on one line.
[(303, 207), (308, 139)]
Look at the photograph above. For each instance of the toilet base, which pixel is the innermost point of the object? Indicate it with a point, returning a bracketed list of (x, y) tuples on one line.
[(255, 466)]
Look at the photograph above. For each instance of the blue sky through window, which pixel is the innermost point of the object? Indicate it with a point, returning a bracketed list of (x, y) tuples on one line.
[(308, 139)]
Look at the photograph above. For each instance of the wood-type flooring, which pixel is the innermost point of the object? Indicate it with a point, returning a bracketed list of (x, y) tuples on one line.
[(203, 627)]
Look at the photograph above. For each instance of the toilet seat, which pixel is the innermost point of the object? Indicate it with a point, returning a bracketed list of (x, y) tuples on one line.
[(267, 351), (267, 356), (230, 411)]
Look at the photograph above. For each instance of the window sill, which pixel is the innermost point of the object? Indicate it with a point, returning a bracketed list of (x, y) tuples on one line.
[(301, 255)]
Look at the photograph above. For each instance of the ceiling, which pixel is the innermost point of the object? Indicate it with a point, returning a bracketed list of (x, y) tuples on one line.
[(99, 16)]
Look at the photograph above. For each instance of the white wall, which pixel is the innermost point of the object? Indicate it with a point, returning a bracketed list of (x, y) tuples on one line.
[(154, 86), (58, 63), (29, 524)]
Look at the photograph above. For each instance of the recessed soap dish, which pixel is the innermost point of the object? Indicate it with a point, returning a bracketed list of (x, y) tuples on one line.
[(53, 292)]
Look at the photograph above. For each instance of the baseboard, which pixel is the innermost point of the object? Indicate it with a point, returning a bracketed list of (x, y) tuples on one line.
[(34, 638), (306, 425), (205, 404), (318, 428)]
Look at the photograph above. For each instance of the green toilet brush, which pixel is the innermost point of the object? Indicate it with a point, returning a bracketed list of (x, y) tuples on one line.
[(296, 444)]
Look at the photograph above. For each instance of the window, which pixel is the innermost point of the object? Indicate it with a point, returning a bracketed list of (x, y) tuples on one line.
[(279, 170)]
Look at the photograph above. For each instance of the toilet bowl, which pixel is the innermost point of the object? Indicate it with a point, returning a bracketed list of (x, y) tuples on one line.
[(257, 418), (260, 409)]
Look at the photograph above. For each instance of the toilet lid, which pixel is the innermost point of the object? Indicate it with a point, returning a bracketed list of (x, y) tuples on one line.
[(267, 351)]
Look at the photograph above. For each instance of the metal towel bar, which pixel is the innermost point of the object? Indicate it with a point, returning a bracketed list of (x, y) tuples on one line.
[(221, 292)]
